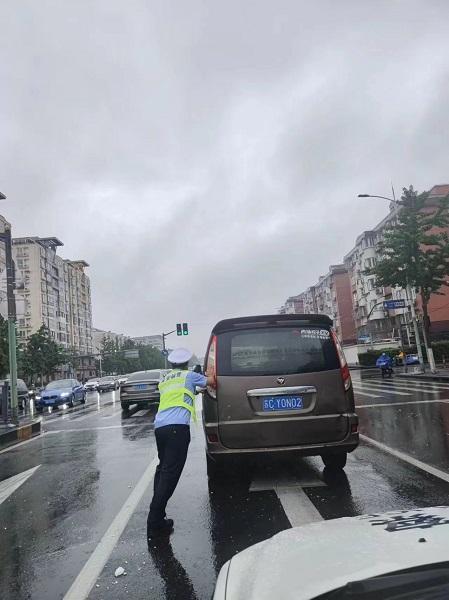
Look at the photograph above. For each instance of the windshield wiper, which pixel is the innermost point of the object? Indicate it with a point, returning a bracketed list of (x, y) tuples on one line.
[(426, 582)]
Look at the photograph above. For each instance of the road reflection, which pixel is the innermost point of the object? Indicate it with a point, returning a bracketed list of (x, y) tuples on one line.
[(176, 579)]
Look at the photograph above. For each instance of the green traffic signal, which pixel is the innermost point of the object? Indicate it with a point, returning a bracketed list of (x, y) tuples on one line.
[(178, 329), (185, 329)]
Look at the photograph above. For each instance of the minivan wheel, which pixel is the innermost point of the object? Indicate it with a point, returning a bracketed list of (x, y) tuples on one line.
[(125, 406), (335, 461)]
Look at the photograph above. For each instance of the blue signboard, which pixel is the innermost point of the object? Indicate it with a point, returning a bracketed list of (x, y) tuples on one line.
[(393, 304)]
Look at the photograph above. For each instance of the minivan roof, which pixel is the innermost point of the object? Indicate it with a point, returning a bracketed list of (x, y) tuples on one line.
[(270, 320)]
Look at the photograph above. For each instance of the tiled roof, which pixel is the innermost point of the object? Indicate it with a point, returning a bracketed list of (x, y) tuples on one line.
[(439, 191)]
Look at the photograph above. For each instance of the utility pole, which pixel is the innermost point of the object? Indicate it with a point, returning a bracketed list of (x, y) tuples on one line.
[(415, 326), (11, 303), (164, 349)]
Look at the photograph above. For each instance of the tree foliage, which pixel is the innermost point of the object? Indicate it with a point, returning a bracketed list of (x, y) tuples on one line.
[(41, 355), (114, 361), (415, 249)]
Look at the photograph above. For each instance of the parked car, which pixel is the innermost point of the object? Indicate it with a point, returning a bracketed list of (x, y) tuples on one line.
[(106, 384), (283, 385), (23, 394), (412, 359), (91, 385), (141, 388), (311, 562), (61, 391)]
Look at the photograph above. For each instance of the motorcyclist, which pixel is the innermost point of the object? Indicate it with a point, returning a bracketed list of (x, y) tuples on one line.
[(385, 363)]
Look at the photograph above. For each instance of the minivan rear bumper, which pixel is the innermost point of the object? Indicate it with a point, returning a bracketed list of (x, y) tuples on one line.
[(349, 443)]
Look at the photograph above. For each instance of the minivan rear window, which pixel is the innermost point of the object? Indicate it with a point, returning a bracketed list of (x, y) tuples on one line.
[(276, 350)]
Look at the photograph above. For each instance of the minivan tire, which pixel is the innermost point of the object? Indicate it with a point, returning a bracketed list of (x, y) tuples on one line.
[(125, 406), (335, 461)]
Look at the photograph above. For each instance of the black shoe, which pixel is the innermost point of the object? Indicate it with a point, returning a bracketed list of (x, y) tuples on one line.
[(165, 528)]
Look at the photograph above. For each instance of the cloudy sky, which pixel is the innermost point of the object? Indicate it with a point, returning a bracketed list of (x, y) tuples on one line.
[(205, 157)]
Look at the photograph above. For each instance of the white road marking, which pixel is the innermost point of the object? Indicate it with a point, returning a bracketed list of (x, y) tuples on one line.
[(438, 384), (141, 413), (379, 390), (81, 587), (391, 386), (407, 458), (401, 403), (94, 428), (10, 485), (297, 506), (366, 394)]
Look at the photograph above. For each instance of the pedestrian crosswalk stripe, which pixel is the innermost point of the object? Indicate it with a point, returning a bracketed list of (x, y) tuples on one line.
[(392, 386), (366, 394), (381, 404), (380, 390)]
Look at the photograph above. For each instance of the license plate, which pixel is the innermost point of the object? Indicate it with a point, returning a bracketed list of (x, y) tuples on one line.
[(140, 386), (271, 403)]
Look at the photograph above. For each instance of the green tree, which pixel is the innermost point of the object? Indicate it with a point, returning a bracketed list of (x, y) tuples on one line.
[(415, 249), (41, 355)]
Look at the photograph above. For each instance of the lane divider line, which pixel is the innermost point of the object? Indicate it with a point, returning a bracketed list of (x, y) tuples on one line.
[(85, 581), (407, 458), (299, 509)]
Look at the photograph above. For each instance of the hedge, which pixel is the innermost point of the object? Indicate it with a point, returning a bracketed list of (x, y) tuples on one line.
[(440, 352)]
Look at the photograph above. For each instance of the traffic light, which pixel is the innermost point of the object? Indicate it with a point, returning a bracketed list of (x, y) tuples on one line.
[(185, 329), (178, 329)]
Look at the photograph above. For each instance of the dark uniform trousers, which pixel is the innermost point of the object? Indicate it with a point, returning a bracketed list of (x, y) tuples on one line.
[(172, 446)]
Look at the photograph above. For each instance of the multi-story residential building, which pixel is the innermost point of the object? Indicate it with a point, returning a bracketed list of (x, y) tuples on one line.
[(149, 340), (330, 296), (293, 305), (56, 294), (99, 335)]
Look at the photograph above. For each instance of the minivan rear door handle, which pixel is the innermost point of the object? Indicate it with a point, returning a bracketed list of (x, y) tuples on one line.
[(282, 391)]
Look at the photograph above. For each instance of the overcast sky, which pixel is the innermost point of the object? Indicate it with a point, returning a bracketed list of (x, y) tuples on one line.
[(205, 157)]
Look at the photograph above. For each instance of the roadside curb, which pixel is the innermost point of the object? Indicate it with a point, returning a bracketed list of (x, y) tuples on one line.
[(20, 433), (424, 377)]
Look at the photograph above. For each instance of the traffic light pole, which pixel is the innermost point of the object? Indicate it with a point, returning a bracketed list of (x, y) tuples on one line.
[(164, 349)]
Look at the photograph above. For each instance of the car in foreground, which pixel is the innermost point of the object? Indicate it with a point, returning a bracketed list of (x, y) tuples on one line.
[(400, 554), (107, 384), (283, 386), (141, 388), (60, 392), (23, 393), (91, 385)]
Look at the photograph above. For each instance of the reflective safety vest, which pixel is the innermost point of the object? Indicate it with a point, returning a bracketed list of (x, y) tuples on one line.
[(173, 389)]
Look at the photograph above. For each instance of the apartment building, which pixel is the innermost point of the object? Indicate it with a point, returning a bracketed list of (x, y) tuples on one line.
[(57, 294), (149, 340), (330, 296), (99, 335), (293, 305)]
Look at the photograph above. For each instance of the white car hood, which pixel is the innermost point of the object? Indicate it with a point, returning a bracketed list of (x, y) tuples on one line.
[(304, 562)]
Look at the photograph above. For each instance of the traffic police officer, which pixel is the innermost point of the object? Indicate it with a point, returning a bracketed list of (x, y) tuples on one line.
[(172, 432)]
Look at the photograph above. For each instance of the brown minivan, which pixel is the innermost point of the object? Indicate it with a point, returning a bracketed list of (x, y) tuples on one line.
[(283, 385)]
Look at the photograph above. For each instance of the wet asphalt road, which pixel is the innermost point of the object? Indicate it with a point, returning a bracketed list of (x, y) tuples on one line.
[(90, 459)]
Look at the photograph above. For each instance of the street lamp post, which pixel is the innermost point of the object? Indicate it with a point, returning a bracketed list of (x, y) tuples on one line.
[(411, 301), (11, 303)]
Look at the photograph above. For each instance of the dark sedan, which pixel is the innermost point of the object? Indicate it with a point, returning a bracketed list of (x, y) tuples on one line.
[(140, 388), (22, 392), (107, 384)]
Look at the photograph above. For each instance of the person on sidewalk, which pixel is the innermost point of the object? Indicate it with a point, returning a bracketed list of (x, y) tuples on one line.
[(172, 432)]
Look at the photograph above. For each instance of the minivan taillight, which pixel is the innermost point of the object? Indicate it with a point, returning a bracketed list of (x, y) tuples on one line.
[(344, 369), (211, 365)]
